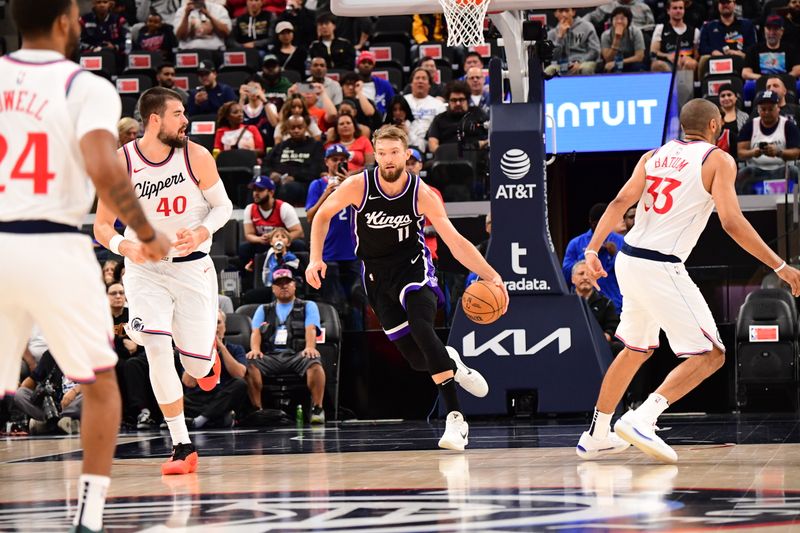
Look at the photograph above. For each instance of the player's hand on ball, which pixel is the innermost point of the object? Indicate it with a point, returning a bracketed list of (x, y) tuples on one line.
[(315, 273), (791, 276), (595, 269), (497, 280)]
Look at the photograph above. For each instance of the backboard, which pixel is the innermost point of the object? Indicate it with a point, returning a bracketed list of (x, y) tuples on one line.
[(360, 8)]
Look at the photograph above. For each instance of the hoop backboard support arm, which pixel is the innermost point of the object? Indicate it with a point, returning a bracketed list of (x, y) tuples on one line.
[(361, 8)]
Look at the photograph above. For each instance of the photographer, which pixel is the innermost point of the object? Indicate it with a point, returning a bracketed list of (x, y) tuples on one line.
[(458, 119), (49, 398), (278, 256)]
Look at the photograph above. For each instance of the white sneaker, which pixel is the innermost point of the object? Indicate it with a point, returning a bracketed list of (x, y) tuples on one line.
[(455, 432), (591, 447), (643, 436), (470, 379)]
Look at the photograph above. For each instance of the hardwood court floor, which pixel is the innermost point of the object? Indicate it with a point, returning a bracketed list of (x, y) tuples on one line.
[(734, 473)]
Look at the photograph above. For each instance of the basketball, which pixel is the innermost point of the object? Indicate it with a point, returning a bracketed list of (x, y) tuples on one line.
[(483, 302)]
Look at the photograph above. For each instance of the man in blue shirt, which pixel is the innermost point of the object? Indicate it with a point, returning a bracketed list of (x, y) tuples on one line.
[(607, 254), (726, 36), (339, 248), (210, 95), (284, 340), (214, 407)]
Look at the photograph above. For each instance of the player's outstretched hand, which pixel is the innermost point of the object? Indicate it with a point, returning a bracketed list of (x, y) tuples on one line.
[(595, 269), (497, 280), (315, 273), (791, 276)]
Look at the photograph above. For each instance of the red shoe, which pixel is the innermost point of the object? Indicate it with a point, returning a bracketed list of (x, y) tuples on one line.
[(209, 382), (183, 460)]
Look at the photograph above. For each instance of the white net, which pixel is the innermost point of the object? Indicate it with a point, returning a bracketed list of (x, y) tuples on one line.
[(464, 21)]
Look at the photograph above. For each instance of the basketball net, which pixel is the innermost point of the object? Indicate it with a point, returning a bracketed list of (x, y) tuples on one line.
[(464, 21)]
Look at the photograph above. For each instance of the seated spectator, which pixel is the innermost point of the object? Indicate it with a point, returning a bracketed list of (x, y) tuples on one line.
[(220, 406), (202, 25), (642, 15), (400, 115), (210, 95), (165, 77), (628, 221), (458, 117), (773, 55), (319, 74), (232, 134), (101, 29), (284, 340), (790, 111), (767, 143), (622, 44), (338, 252), (353, 90), (424, 106), (414, 165), (123, 345), (602, 308), (165, 8), (157, 37), (237, 8), (607, 255), (321, 115), (50, 399), (375, 89), (356, 30), (338, 53), (696, 13), (295, 105), (577, 48), (728, 35), (251, 29), (473, 60), (791, 23), (733, 120), (128, 129), (478, 90), (425, 28), (671, 36), (350, 108), (303, 20), (262, 217), (278, 256), (290, 56), (258, 112), (347, 133), (295, 162), (276, 85), (108, 268), (429, 64)]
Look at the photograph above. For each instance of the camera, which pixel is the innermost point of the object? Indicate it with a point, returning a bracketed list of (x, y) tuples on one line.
[(342, 167), (46, 393), (763, 145)]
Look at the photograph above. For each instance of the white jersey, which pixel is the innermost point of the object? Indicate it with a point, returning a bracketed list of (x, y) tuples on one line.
[(675, 206), (47, 104), (168, 191)]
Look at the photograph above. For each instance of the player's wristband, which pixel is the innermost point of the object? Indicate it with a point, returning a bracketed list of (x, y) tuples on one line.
[(779, 267), (114, 243), (588, 251)]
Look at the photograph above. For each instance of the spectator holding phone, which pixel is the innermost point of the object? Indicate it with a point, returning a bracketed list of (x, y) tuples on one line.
[(201, 24), (296, 105), (257, 110)]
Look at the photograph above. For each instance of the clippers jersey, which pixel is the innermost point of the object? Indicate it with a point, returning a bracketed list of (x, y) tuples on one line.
[(674, 207), (47, 104), (389, 228), (168, 192)]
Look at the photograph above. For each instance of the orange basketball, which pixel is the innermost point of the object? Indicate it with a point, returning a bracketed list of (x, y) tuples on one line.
[(483, 302)]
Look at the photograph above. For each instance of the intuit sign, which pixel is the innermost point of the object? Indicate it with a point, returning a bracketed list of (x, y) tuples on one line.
[(604, 113)]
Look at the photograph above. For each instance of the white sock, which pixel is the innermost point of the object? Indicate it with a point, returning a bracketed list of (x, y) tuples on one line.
[(91, 500), (177, 429), (651, 409), (601, 424)]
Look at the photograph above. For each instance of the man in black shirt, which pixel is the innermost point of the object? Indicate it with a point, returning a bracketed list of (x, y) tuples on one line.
[(251, 30), (459, 116), (302, 20), (772, 55), (295, 162), (338, 53)]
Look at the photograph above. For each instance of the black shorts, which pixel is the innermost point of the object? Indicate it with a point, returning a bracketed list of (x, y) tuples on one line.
[(284, 363), (388, 285)]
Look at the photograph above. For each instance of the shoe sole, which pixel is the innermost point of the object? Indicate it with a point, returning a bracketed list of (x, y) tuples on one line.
[(181, 467), (484, 387), (594, 454), (209, 382), (631, 435), (447, 445)]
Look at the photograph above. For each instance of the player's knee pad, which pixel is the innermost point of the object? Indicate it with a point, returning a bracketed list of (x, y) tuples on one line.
[(197, 368), (411, 353), (164, 378)]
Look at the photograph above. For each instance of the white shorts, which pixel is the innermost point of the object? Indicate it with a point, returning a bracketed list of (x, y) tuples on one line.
[(175, 299), (659, 295), (53, 280)]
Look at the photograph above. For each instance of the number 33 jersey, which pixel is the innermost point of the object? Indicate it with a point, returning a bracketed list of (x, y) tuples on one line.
[(675, 206), (47, 105), (168, 191)]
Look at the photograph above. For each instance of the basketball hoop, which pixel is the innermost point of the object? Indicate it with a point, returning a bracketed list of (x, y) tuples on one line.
[(464, 21)]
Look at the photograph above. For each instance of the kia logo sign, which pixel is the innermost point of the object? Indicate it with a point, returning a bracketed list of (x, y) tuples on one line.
[(515, 164)]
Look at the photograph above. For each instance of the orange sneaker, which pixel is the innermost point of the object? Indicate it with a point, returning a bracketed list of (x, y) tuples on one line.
[(183, 460), (209, 382)]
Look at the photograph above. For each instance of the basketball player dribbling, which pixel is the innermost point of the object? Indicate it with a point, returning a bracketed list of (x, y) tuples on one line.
[(174, 299), (390, 209), (58, 125), (676, 187)]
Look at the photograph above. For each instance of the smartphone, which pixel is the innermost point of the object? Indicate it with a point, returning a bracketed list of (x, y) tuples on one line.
[(763, 145), (305, 88), (342, 167)]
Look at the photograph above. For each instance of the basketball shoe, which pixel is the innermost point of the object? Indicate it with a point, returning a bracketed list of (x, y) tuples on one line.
[(183, 460), (643, 435), (210, 381), (589, 447), (455, 432), (470, 379)]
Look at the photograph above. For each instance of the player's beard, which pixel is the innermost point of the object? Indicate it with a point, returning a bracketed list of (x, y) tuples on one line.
[(394, 176), (173, 141)]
